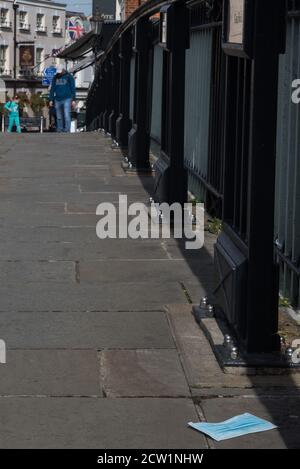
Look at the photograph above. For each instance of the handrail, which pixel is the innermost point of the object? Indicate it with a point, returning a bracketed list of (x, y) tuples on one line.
[(146, 9)]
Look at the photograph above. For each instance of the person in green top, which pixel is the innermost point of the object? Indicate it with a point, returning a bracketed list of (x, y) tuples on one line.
[(13, 108)]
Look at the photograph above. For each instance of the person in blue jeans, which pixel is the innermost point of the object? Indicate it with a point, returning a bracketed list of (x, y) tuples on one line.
[(14, 117), (63, 95)]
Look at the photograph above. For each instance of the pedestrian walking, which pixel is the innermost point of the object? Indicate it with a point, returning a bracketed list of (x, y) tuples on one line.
[(13, 109), (63, 96)]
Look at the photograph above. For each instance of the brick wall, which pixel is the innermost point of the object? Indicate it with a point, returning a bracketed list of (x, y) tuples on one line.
[(129, 6)]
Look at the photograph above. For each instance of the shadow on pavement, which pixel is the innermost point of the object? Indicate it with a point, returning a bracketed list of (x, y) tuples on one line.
[(274, 397)]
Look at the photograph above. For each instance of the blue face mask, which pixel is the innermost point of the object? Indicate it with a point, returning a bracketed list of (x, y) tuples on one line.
[(237, 426)]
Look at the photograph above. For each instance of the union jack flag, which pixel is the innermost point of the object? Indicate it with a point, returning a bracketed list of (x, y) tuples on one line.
[(76, 30)]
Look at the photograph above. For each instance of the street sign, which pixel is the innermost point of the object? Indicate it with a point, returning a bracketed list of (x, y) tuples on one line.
[(236, 22), (26, 54), (238, 27), (48, 75)]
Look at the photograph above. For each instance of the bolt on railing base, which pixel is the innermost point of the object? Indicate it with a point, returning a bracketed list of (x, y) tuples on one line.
[(228, 354), (131, 168), (115, 145)]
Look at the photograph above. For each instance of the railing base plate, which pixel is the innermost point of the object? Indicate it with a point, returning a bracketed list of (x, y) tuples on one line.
[(216, 329), (132, 169)]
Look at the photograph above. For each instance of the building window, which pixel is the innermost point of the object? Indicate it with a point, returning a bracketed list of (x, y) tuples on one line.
[(23, 20), (56, 24), (39, 60), (4, 17), (40, 22), (3, 60)]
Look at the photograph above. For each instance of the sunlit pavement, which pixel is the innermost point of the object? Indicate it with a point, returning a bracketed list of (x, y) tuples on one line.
[(94, 360)]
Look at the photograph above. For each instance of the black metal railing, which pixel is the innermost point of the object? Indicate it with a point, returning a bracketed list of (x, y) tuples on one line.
[(205, 12), (287, 204), (208, 131)]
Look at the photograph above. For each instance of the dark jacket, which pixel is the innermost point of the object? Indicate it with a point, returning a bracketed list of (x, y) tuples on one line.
[(63, 87)]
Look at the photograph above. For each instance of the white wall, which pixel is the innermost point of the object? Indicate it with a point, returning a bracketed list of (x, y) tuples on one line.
[(47, 41)]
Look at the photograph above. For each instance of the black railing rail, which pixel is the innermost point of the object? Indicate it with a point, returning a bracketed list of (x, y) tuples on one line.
[(201, 15), (146, 10), (287, 203), (98, 101), (204, 14)]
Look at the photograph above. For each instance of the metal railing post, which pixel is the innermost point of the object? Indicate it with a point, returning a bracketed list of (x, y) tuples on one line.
[(171, 174), (115, 91), (139, 135), (244, 254), (107, 94), (100, 100), (123, 121)]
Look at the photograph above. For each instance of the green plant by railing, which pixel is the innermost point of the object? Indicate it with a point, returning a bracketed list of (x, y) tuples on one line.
[(2, 108), (214, 226), (196, 201), (284, 302), (37, 103), (23, 100)]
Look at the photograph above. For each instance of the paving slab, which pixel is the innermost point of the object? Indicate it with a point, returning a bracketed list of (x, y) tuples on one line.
[(283, 412), (50, 373), (204, 286), (61, 423), (8, 207), (55, 170), (201, 367), (26, 180), (14, 272), (82, 208), (84, 297), (62, 251), (99, 188), (72, 251), (89, 202), (48, 220), (27, 188), (45, 234), (176, 249), (94, 330), (99, 314), (142, 373), (71, 197), (167, 270)]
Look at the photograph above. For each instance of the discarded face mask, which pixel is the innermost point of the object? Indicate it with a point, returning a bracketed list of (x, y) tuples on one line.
[(237, 426)]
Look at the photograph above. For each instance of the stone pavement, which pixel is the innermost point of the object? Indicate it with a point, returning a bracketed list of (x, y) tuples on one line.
[(94, 358)]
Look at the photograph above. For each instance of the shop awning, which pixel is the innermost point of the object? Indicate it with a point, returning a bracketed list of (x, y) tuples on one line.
[(82, 64), (79, 48), (85, 44)]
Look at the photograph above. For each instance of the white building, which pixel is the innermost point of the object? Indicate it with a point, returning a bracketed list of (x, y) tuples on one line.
[(31, 31)]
